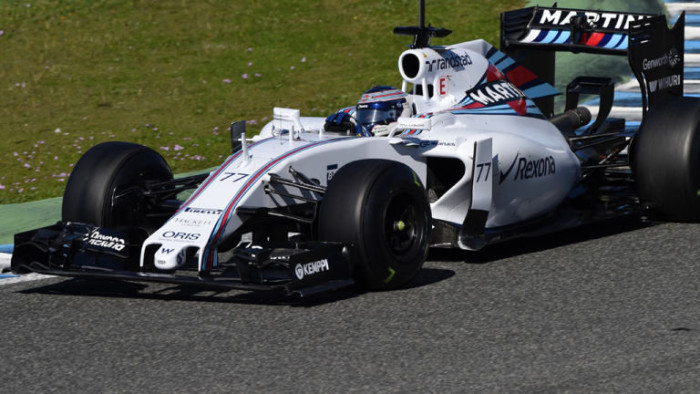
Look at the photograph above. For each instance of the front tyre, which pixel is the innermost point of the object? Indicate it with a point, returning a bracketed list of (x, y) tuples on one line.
[(380, 207), (106, 186)]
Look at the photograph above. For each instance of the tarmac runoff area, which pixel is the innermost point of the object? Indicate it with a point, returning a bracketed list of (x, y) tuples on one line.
[(627, 105)]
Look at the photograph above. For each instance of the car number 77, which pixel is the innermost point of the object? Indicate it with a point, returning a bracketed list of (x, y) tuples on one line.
[(238, 176), (481, 170)]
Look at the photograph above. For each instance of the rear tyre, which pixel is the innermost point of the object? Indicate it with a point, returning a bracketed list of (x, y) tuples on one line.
[(380, 207), (666, 159), (106, 186)]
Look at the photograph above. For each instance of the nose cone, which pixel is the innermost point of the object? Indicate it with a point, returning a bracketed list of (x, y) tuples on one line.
[(170, 257)]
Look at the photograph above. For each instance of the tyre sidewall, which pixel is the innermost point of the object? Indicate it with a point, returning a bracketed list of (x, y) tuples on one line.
[(666, 158), (104, 169), (354, 210)]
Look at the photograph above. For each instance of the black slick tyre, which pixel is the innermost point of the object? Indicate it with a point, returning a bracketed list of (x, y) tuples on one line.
[(105, 187), (666, 159), (381, 208)]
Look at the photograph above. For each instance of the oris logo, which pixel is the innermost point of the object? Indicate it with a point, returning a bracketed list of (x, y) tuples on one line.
[(181, 236), (314, 267)]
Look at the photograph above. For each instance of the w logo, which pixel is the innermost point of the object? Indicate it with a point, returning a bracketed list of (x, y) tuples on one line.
[(653, 85)]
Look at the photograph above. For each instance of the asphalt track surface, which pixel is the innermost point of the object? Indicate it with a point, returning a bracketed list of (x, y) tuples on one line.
[(610, 308)]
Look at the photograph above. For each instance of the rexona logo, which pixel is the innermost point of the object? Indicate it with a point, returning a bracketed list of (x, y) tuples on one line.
[(529, 169), (605, 20), (314, 267), (204, 211), (496, 92), (95, 238)]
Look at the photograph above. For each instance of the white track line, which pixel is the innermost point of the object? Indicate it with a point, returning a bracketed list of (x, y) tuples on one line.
[(628, 113), (23, 278), (691, 60), (5, 262), (692, 33), (677, 8)]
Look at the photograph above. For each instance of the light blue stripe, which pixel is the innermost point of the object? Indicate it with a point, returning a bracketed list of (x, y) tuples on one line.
[(505, 63), (497, 57), (7, 248), (690, 20), (623, 99), (563, 38), (692, 46), (550, 36), (691, 73), (541, 91), (615, 40), (622, 44)]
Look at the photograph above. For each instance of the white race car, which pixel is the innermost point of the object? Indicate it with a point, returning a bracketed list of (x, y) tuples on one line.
[(466, 153)]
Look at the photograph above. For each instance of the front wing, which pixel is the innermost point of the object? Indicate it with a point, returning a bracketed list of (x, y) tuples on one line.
[(85, 251)]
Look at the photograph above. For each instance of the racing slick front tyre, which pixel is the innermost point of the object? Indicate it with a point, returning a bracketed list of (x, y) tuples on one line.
[(666, 159), (105, 187), (381, 208)]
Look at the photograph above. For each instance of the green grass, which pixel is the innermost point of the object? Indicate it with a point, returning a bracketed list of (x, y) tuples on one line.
[(170, 74)]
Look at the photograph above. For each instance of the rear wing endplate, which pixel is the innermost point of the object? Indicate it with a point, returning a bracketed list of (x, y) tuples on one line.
[(656, 58)]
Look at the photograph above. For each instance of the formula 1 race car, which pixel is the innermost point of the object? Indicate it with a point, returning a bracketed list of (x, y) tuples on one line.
[(467, 153)]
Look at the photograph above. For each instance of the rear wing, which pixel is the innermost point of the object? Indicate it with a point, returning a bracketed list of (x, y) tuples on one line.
[(567, 29), (532, 35)]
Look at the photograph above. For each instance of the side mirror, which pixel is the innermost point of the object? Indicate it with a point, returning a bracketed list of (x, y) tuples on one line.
[(237, 130)]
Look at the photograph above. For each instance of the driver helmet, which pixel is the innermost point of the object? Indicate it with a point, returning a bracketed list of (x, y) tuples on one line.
[(380, 105)]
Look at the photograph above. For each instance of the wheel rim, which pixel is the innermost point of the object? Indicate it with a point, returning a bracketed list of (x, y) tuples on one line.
[(402, 226)]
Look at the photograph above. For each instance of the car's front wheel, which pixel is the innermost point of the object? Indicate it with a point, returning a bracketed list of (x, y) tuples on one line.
[(381, 208), (106, 185)]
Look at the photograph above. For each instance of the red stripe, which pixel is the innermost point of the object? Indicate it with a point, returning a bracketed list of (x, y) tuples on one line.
[(201, 188), (594, 39), (493, 74), (243, 190), (520, 76), (520, 106)]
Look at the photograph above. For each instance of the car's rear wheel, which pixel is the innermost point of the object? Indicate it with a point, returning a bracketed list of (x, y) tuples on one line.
[(106, 185), (666, 159), (381, 208)]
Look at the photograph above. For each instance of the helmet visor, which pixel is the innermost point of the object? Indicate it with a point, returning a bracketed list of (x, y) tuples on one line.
[(376, 116)]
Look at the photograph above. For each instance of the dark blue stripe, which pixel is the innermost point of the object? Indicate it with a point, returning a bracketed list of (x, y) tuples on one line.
[(541, 36), (606, 38)]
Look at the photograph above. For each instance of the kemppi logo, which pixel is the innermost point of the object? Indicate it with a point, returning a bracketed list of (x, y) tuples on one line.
[(314, 267)]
